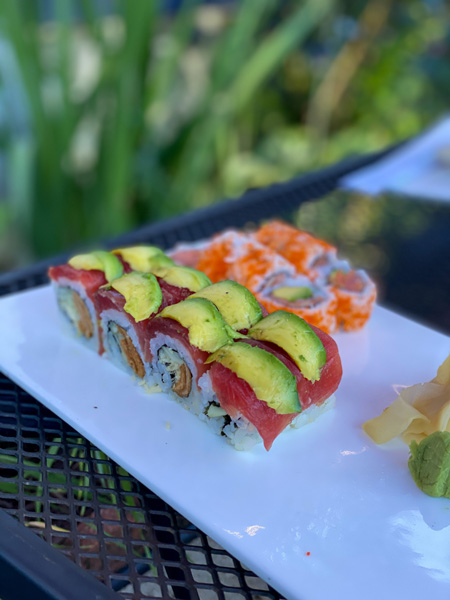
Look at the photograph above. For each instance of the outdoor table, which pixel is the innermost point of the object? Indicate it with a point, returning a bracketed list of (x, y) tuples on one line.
[(112, 528)]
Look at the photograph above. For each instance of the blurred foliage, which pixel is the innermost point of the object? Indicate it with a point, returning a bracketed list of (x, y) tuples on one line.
[(112, 119)]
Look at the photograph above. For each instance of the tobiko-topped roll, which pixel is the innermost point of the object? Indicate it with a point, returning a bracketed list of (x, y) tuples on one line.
[(237, 256), (355, 293), (300, 248)]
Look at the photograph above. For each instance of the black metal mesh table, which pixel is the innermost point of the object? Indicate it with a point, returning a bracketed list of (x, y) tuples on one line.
[(59, 487)]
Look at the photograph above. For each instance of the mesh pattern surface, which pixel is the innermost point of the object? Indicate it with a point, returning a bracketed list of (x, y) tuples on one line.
[(58, 484), (68, 492)]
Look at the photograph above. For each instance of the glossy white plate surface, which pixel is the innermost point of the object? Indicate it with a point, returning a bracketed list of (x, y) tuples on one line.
[(325, 514)]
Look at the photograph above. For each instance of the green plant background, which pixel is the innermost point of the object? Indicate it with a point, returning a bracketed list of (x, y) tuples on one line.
[(111, 119)]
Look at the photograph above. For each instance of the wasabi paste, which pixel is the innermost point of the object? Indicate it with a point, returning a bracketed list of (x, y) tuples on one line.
[(429, 464)]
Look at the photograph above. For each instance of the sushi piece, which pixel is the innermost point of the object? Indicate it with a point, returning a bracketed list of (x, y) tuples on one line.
[(181, 338), (309, 300), (270, 381), (356, 295), (237, 256), (75, 286), (354, 291), (125, 307), (252, 393), (307, 253)]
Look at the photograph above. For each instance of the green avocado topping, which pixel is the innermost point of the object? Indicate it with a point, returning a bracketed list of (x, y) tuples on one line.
[(98, 260), (144, 258), (183, 277), (296, 337), (429, 464), (207, 328), (268, 377), (142, 294), (236, 303)]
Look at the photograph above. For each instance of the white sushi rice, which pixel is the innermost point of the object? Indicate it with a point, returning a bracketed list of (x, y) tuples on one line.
[(163, 373), (70, 316), (108, 319), (312, 413), (239, 432)]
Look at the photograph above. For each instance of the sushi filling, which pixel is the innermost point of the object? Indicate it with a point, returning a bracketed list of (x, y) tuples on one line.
[(180, 375), (119, 338), (74, 307), (296, 297), (350, 281)]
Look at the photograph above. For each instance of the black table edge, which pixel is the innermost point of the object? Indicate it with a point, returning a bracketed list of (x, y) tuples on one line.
[(39, 571)]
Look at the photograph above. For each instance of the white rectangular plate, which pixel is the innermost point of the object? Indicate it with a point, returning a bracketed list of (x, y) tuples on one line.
[(326, 513)]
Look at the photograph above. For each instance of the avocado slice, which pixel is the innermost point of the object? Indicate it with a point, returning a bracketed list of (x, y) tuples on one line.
[(237, 305), (184, 277), (292, 293), (296, 337), (207, 328), (142, 294), (268, 377), (99, 260), (144, 258)]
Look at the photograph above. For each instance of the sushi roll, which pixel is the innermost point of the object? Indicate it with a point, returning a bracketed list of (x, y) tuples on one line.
[(76, 284), (125, 307), (284, 374), (237, 256), (250, 393), (312, 301), (307, 253)]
